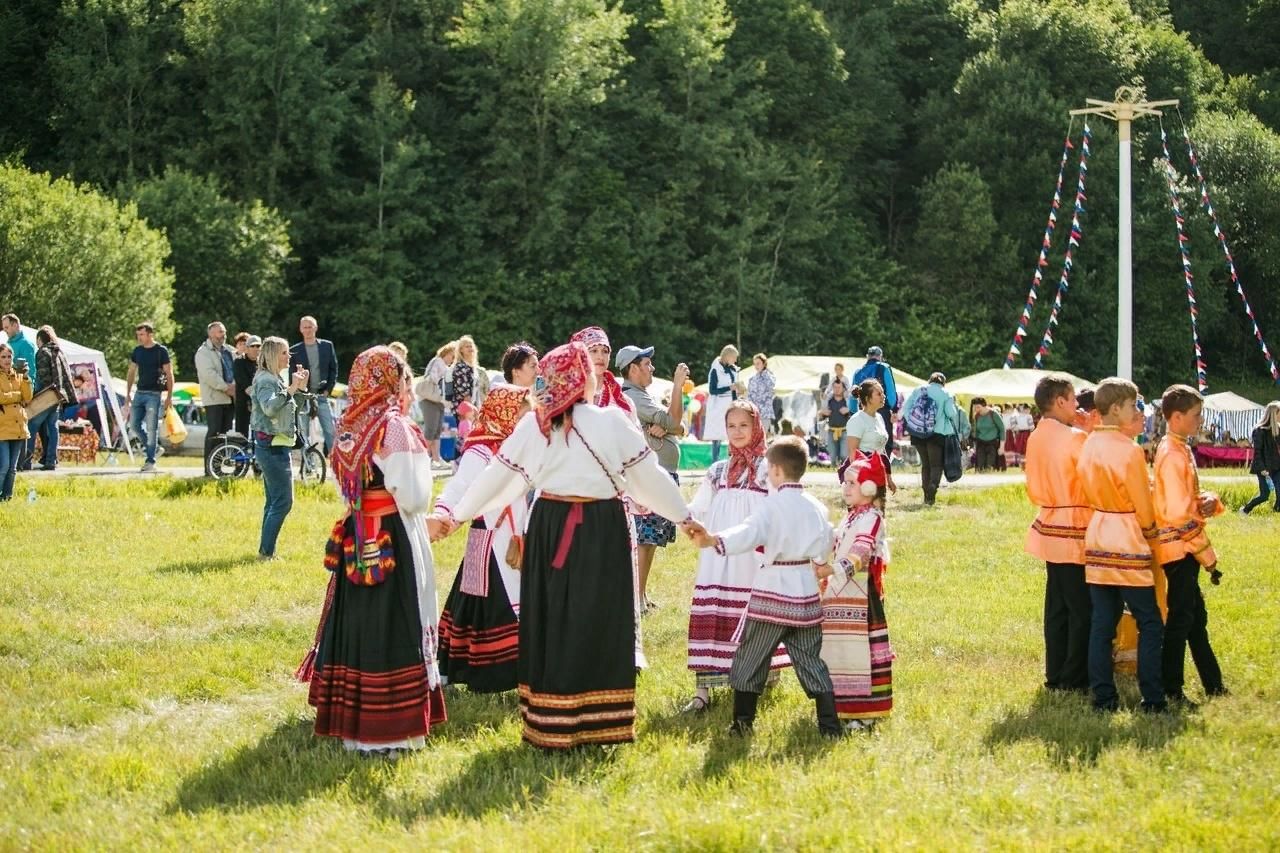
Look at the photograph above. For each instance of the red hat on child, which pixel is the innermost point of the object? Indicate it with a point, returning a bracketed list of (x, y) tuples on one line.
[(870, 471)]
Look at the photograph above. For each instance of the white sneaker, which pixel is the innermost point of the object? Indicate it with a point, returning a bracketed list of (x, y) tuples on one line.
[(148, 467)]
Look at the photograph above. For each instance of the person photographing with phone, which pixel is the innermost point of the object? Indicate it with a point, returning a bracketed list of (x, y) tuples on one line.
[(273, 424)]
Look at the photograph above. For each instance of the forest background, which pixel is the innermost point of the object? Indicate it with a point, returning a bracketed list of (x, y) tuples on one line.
[(789, 175)]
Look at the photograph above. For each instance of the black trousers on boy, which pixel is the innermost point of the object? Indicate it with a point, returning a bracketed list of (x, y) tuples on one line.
[(1067, 615), (1187, 625)]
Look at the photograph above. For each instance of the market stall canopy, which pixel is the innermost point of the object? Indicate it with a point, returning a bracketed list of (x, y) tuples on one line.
[(804, 372), (1015, 385), (1232, 413)]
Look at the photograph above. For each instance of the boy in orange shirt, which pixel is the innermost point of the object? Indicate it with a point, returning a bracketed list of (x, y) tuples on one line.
[(1057, 534), (1183, 547), (1117, 543)]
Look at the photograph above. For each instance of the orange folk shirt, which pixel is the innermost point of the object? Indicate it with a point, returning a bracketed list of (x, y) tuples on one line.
[(1118, 540), (1054, 485), (1179, 521)]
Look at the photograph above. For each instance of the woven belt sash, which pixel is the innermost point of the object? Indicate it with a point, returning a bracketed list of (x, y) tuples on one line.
[(571, 522)]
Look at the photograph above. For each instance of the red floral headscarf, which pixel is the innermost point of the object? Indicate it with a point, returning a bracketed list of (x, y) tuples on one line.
[(565, 370), (609, 392), (375, 389), (499, 414), (743, 460)]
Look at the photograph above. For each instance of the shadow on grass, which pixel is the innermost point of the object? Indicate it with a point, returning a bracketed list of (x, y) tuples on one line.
[(1076, 735), (288, 765), (206, 565), (502, 780)]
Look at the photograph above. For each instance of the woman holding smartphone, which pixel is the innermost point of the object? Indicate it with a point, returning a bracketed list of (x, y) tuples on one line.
[(274, 426)]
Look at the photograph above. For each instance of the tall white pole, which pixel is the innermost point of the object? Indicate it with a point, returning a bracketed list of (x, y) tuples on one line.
[(1124, 334)]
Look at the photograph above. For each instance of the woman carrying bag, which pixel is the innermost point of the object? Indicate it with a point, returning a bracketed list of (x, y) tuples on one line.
[(15, 393)]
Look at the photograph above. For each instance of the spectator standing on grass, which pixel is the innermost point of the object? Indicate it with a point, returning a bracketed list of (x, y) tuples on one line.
[(470, 380), (931, 416), (722, 381), (430, 391), (760, 390), (275, 428), (23, 349), (878, 369), (52, 371), (242, 371), (988, 433), (148, 389), (320, 359), (866, 431), (1266, 457), (15, 393), (662, 428), (215, 370), (837, 412)]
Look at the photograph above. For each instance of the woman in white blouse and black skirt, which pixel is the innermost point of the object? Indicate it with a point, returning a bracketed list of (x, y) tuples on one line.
[(576, 667)]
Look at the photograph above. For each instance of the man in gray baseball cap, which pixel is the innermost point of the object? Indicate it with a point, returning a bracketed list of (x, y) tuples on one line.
[(662, 428)]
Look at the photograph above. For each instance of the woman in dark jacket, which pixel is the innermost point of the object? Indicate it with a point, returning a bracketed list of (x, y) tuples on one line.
[(1266, 457), (52, 371)]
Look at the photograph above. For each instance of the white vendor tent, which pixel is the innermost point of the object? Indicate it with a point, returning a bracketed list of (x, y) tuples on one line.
[(1012, 385), (78, 354), (804, 372), (1229, 411)]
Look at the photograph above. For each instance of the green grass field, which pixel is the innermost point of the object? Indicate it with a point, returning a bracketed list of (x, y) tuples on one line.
[(146, 701)]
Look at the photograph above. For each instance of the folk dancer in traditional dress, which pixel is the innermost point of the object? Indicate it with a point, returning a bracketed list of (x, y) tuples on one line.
[(1183, 547), (722, 389), (479, 628), (732, 490), (609, 393), (855, 633), (1118, 554), (784, 606), (1057, 534), (375, 682), (576, 668)]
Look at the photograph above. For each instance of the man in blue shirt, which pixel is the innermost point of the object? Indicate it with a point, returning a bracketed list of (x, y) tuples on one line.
[(878, 369), (151, 370)]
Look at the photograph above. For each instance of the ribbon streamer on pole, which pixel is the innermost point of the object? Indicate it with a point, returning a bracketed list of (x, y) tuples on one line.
[(1015, 349), (1184, 249), (1072, 243), (1226, 252)]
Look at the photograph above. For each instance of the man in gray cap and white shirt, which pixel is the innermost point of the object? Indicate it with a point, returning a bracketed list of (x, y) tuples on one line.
[(661, 427)]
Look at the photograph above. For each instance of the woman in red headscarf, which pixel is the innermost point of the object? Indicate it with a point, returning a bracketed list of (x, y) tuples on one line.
[(375, 682), (479, 628), (732, 490), (608, 390), (576, 666)]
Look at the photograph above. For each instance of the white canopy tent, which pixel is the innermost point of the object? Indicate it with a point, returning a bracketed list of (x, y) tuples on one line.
[(1230, 412), (1012, 385), (106, 400)]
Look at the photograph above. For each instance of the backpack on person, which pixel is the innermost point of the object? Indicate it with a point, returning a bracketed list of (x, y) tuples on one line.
[(923, 416)]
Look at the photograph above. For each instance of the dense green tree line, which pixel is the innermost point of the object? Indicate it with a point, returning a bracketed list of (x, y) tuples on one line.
[(791, 175)]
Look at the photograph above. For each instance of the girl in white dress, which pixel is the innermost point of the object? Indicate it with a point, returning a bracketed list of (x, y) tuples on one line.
[(722, 380), (731, 491)]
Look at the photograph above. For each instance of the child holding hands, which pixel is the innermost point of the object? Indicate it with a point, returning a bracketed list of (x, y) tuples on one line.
[(732, 490), (855, 636), (783, 607)]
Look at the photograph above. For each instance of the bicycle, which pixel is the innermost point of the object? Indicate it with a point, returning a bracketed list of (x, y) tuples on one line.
[(312, 465), (233, 456)]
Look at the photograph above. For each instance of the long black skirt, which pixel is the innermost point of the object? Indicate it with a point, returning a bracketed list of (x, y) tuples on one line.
[(479, 635), (577, 627), (370, 683)]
